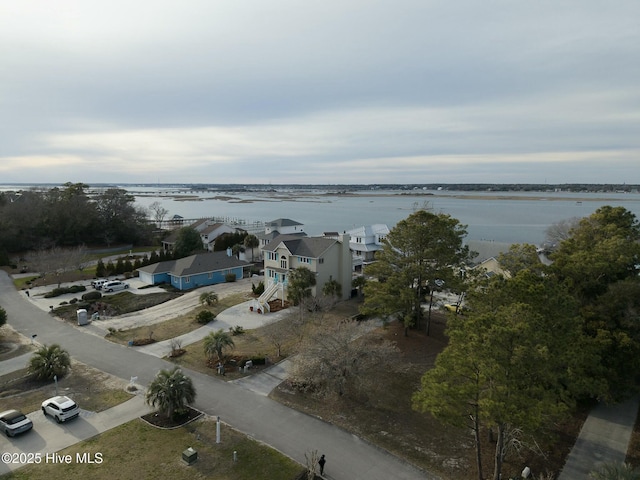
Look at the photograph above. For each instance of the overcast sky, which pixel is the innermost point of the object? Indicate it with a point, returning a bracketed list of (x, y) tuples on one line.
[(350, 91)]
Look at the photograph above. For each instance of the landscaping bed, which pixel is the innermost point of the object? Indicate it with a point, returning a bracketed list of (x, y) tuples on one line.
[(163, 421), (112, 305)]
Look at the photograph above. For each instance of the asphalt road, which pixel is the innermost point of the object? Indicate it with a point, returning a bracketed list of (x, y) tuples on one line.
[(291, 432)]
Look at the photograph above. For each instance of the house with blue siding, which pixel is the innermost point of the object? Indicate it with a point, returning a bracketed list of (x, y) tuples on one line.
[(194, 271)]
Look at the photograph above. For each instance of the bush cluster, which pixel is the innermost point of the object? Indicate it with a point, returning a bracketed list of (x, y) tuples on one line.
[(205, 316), (56, 292), (90, 296)]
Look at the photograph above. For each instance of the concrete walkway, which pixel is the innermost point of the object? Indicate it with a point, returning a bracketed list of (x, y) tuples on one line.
[(604, 438), (15, 363), (238, 315)]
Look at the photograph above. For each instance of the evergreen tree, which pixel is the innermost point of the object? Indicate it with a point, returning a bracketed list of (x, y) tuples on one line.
[(421, 251), (101, 270)]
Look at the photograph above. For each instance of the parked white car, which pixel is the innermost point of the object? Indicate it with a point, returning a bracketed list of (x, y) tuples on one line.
[(61, 408), (114, 286)]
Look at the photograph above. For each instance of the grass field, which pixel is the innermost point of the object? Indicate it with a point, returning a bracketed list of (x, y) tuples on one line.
[(137, 450)]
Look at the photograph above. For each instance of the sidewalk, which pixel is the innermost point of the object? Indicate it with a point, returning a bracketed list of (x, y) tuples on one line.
[(604, 438)]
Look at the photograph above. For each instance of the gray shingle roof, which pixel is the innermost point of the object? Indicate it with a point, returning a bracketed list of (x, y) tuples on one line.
[(311, 247), (195, 264), (283, 222)]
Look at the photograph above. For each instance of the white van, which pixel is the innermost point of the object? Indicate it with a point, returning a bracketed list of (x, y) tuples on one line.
[(114, 286)]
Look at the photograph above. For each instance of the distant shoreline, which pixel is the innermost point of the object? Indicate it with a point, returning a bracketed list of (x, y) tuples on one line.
[(316, 197)]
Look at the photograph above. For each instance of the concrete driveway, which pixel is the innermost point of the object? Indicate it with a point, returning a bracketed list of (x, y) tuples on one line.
[(48, 437)]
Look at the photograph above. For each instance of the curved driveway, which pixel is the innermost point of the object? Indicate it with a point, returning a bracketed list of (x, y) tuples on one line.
[(291, 432)]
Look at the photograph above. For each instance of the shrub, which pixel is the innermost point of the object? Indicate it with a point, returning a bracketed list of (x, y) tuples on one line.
[(204, 317), (56, 292), (237, 330), (73, 301), (95, 295), (257, 289), (230, 277), (258, 360)]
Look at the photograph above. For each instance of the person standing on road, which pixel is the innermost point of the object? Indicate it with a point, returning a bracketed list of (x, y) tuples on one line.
[(321, 462)]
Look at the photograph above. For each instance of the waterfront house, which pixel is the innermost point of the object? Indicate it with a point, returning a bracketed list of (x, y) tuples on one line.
[(280, 226), (328, 258), (194, 271), (208, 229), (365, 241)]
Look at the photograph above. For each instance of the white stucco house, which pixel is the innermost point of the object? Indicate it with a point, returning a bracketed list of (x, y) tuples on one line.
[(365, 241)]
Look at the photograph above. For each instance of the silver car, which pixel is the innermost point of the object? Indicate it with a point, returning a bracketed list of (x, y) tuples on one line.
[(114, 286), (14, 422)]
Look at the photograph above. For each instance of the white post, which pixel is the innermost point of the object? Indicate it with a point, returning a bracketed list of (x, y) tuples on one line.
[(55, 379), (218, 430)]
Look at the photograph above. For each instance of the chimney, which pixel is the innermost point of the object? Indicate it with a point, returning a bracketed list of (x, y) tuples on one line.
[(229, 252)]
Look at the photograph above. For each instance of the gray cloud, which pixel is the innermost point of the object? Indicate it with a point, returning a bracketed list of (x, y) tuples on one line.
[(247, 86)]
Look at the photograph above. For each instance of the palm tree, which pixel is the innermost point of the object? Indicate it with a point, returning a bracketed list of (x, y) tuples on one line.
[(171, 391), (251, 241), (209, 299), (216, 342), (48, 362)]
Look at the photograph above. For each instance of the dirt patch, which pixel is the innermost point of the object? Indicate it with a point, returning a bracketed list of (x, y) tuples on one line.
[(384, 416), (12, 344), (92, 389)]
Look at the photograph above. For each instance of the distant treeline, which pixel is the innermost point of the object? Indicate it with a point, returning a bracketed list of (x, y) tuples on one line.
[(68, 217), (464, 187), (341, 188)]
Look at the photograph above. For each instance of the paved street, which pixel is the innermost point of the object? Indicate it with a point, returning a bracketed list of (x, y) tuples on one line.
[(291, 432)]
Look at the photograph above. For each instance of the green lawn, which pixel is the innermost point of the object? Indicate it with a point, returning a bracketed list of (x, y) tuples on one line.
[(137, 451)]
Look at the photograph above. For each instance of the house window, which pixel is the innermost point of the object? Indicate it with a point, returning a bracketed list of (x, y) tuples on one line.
[(187, 280), (210, 275), (283, 263), (272, 255), (321, 260), (304, 260)]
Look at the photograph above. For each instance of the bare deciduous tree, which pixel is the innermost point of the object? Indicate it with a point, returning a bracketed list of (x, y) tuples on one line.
[(342, 359), (57, 261), (560, 231), (158, 212), (279, 333), (311, 459)]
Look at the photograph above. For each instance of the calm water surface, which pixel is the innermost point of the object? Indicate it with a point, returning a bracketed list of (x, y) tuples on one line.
[(502, 217)]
